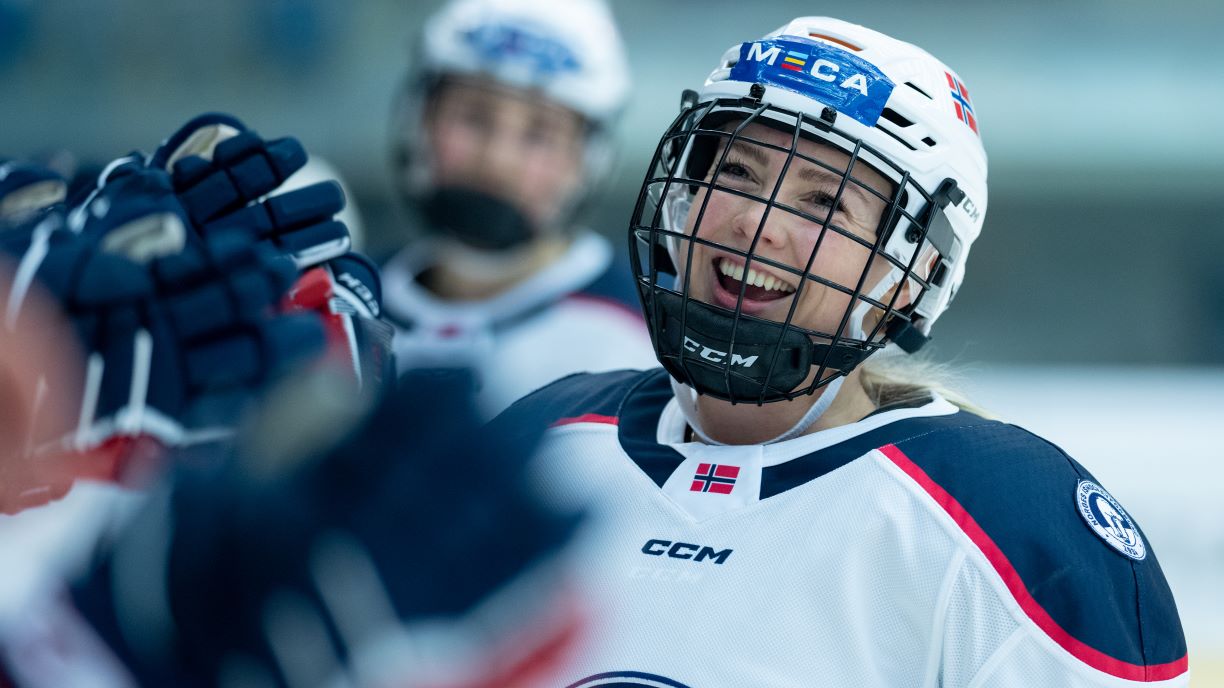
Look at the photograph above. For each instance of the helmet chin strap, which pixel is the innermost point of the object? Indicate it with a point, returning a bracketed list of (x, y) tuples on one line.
[(854, 326), (686, 397)]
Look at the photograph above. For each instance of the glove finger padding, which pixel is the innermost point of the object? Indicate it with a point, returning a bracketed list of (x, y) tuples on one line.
[(243, 169), (221, 170), (135, 213), (197, 137), (26, 190), (298, 222), (220, 305)]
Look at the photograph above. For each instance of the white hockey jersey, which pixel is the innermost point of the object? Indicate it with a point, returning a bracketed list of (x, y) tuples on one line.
[(580, 313), (920, 546)]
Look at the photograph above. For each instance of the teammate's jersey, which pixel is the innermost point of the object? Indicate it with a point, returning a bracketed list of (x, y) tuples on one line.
[(920, 546), (578, 314)]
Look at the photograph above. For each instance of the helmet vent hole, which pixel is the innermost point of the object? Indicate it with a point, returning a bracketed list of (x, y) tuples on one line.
[(900, 140), (838, 41), (896, 118), (911, 85), (929, 141)]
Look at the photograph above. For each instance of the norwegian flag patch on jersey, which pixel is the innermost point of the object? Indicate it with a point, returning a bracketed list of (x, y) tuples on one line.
[(960, 99), (713, 477)]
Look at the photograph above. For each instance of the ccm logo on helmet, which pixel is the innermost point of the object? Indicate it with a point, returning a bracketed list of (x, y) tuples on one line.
[(716, 356), (825, 70), (684, 550)]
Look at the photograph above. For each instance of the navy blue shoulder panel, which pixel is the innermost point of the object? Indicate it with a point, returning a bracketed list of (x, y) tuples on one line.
[(793, 473), (631, 399), (569, 398), (1021, 491), (615, 285)]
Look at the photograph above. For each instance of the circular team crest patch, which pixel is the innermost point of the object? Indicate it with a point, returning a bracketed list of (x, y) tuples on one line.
[(1109, 520)]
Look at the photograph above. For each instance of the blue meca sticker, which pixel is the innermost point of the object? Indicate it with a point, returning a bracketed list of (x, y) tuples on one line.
[(830, 75), (1109, 520)]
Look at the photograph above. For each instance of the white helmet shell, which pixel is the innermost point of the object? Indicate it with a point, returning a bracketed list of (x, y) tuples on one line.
[(893, 96), (570, 51)]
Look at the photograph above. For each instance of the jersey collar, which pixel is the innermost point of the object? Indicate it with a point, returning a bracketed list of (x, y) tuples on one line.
[(652, 430), (407, 302)]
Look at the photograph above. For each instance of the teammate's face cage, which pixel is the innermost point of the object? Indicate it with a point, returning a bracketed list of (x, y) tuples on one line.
[(773, 252)]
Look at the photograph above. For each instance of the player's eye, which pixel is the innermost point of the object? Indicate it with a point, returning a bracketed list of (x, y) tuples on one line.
[(734, 171), (474, 118), (824, 199), (542, 135)]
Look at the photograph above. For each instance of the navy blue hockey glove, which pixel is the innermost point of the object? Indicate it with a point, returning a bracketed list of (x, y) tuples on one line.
[(27, 190), (134, 212), (222, 173), (162, 337), (342, 561)]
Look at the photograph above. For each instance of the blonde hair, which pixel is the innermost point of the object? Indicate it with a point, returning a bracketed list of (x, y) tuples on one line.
[(890, 379)]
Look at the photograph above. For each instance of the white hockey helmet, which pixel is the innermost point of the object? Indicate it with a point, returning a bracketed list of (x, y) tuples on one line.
[(568, 52), (884, 102)]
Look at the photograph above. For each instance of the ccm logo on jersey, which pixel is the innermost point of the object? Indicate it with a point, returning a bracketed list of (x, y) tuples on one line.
[(684, 550), (716, 356)]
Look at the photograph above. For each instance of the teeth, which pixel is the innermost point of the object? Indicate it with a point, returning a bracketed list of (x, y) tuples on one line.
[(755, 278)]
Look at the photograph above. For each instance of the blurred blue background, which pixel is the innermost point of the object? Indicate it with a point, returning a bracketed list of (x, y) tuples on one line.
[(1093, 310)]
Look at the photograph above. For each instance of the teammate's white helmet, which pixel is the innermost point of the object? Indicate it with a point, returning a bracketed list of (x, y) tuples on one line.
[(883, 102), (569, 52)]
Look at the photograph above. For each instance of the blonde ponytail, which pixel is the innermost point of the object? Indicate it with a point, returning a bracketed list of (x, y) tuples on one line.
[(890, 379)]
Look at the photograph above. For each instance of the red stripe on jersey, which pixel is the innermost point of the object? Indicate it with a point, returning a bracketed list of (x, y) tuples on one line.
[(1011, 578), (587, 418)]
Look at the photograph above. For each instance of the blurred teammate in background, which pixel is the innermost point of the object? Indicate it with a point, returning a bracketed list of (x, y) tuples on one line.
[(502, 132)]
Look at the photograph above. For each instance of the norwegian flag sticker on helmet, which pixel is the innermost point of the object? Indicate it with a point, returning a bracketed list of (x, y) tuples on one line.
[(960, 98)]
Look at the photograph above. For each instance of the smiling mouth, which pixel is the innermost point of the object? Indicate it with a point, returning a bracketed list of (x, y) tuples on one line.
[(758, 285)]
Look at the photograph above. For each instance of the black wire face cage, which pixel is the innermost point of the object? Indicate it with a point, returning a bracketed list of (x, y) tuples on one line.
[(729, 353)]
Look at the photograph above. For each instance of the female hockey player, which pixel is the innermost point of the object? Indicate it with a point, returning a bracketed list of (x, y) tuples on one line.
[(502, 131), (787, 502)]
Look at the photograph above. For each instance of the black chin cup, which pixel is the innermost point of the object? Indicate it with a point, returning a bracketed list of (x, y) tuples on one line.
[(476, 218), (700, 354)]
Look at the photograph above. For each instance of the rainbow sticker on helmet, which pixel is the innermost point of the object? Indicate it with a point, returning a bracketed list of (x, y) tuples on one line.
[(1106, 517), (507, 43), (827, 74)]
